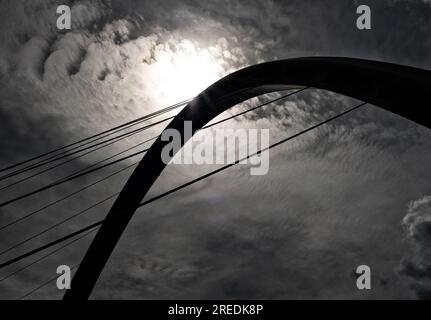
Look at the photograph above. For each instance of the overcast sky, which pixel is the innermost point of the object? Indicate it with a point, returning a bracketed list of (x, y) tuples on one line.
[(354, 192)]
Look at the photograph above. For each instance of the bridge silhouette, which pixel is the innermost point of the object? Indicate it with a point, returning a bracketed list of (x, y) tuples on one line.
[(395, 88)]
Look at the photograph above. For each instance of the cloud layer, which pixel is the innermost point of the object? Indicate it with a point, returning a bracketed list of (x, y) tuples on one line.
[(417, 224)]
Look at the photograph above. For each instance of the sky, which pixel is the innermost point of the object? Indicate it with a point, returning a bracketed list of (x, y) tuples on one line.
[(353, 192)]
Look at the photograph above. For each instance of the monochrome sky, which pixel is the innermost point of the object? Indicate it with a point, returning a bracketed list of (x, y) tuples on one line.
[(356, 191)]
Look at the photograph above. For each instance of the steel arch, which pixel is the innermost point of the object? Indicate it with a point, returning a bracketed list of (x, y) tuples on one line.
[(399, 89)]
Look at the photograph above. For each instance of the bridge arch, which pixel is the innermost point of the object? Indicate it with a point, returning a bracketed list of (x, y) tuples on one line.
[(399, 89)]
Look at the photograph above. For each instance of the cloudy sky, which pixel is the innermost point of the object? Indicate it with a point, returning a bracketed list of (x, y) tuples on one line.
[(354, 192)]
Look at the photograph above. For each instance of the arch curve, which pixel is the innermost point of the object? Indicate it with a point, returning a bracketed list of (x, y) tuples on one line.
[(395, 88)]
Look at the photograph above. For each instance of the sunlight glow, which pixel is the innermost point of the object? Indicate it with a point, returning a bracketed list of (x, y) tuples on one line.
[(184, 72)]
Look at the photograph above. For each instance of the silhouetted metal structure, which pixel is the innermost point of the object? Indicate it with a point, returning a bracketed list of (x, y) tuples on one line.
[(399, 89)]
